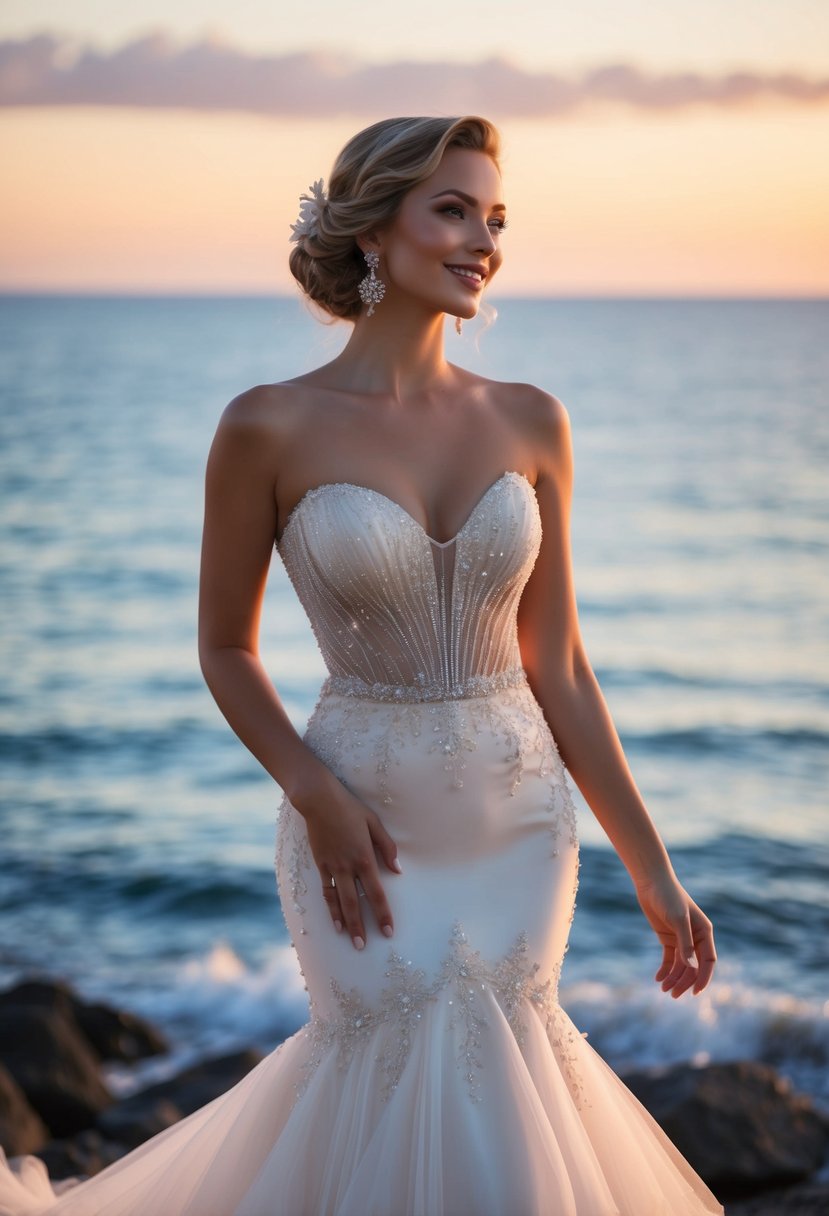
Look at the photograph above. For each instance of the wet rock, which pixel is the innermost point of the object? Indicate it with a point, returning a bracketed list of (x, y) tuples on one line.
[(21, 1128), (112, 1033), (80, 1157), (809, 1200), (54, 1065), (196, 1086), (740, 1125), (137, 1118)]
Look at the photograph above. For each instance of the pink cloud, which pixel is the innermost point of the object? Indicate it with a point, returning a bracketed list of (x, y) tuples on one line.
[(47, 69)]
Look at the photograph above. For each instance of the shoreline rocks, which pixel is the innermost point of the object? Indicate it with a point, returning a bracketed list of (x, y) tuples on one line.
[(740, 1124), (755, 1142)]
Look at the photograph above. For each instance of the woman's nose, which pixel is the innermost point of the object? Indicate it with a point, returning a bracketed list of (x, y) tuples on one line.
[(484, 241)]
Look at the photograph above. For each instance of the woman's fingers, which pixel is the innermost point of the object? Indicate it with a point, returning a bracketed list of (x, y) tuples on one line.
[(376, 897), (686, 978), (706, 954), (383, 843), (331, 897), (667, 963), (345, 840), (350, 904), (685, 967)]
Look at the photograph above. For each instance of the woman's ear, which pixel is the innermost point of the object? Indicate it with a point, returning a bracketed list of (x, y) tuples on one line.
[(369, 240)]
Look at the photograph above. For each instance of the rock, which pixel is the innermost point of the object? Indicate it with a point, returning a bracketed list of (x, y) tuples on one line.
[(739, 1125), (21, 1129), (137, 1118), (809, 1200), (80, 1157), (117, 1035), (196, 1086), (54, 1066), (112, 1033)]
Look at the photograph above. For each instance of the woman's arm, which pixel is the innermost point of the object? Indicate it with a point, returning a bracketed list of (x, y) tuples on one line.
[(563, 682), (239, 530)]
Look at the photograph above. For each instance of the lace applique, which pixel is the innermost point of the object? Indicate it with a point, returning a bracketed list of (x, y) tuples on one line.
[(464, 974), (300, 855), (341, 725)]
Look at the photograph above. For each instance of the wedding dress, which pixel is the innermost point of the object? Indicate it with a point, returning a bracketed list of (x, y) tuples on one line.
[(438, 1074)]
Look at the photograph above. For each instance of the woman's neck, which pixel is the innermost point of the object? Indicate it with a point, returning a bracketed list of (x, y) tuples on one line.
[(396, 353)]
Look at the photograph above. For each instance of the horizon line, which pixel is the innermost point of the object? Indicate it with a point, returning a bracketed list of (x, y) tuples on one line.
[(186, 293)]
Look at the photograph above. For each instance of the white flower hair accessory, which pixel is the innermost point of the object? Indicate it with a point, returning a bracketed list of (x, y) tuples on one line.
[(310, 210)]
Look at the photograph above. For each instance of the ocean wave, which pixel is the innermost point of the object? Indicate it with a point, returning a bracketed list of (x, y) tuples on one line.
[(635, 1027), (217, 1003), (55, 744), (737, 741)]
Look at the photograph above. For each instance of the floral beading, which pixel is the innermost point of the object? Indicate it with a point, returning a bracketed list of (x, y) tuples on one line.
[(463, 976)]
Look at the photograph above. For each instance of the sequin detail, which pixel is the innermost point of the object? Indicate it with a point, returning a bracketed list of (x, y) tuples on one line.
[(392, 608), (463, 976), (474, 686), (348, 733)]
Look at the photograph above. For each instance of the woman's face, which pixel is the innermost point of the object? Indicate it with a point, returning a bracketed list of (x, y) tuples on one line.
[(443, 245)]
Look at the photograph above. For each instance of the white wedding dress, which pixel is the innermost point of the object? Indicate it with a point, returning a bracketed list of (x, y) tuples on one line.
[(438, 1074)]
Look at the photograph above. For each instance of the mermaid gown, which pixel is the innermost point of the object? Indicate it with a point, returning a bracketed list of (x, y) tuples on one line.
[(438, 1075)]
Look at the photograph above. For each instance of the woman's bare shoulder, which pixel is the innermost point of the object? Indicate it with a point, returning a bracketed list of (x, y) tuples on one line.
[(532, 402), (268, 407), (540, 416), (269, 421), (535, 405)]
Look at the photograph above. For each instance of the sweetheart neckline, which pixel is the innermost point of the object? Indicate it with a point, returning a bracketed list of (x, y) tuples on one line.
[(352, 485)]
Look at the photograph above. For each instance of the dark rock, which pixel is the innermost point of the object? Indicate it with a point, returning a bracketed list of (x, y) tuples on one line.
[(117, 1035), (137, 1118), (739, 1125), (196, 1086), (809, 1200), (113, 1033), (21, 1128), (80, 1157), (54, 1066)]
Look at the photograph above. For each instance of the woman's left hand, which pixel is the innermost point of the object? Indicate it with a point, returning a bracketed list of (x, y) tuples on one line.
[(685, 932)]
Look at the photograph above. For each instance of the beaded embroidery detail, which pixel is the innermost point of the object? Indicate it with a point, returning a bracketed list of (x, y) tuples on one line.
[(391, 608), (474, 686), (403, 1001), (341, 725)]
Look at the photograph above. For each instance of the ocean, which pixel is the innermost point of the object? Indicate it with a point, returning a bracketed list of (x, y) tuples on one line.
[(137, 832)]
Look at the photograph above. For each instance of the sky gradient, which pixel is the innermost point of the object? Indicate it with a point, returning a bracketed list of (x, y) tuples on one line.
[(167, 152)]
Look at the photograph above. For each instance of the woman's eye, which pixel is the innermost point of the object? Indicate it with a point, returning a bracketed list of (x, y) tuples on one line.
[(498, 223)]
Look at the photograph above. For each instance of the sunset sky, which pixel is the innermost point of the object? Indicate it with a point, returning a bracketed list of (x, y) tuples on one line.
[(649, 150)]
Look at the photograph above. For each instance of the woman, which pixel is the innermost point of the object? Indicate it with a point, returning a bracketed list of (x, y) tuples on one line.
[(426, 850)]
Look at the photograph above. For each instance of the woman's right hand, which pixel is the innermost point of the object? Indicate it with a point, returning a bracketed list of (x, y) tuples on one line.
[(343, 834)]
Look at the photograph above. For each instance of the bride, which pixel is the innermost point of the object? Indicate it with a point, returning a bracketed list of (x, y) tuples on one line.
[(426, 851)]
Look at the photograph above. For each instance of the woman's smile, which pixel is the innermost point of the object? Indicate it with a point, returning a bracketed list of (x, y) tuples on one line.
[(473, 276)]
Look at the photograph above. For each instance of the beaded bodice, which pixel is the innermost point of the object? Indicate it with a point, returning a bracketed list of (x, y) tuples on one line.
[(399, 614)]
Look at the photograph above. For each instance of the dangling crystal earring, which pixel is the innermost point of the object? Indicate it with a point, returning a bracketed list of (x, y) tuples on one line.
[(371, 288), (458, 326)]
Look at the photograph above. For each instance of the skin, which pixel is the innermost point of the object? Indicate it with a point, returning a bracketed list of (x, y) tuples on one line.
[(395, 415)]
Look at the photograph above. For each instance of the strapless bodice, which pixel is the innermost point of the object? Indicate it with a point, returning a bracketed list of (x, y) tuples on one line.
[(398, 613)]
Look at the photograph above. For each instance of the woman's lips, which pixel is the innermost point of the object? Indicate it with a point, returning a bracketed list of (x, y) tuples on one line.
[(470, 280)]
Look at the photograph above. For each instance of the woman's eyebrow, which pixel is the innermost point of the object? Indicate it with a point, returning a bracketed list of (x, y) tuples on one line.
[(468, 199)]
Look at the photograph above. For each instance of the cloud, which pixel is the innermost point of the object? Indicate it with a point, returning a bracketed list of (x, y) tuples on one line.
[(47, 69)]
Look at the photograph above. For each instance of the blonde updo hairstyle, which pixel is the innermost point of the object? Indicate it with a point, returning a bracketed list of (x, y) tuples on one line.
[(368, 182)]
